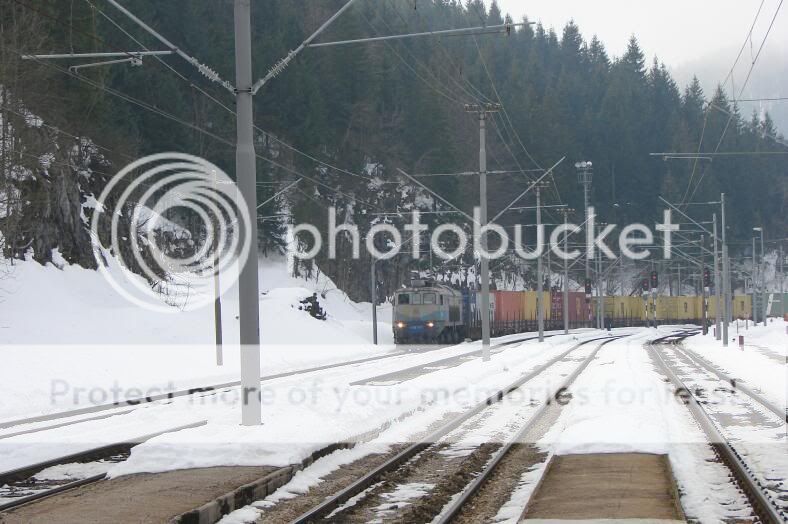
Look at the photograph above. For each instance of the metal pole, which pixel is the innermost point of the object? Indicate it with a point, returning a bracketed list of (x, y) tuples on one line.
[(755, 312), (373, 285), (539, 282), (705, 301), (217, 318), (763, 280), (566, 278), (485, 263), (717, 312), (782, 279), (726, 306), (217, 299), (600, 313), (586, 197), (246, 177)]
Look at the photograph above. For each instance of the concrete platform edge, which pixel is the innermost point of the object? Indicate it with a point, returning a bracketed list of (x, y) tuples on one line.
[(213, 511)]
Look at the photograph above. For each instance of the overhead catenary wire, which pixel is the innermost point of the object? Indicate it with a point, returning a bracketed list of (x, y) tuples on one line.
[(202, 68), (478, 96), (218, 102), (741, 91), (508, 119), (61, 131), (438, 89), (725, 81), (209, 96), (190, 125)]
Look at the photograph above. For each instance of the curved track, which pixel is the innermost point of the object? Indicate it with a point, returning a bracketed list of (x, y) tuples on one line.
[(766, 507), (330, 506), (208, 390)]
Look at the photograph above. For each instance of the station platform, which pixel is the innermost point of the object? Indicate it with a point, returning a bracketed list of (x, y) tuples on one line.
[(638, 487)]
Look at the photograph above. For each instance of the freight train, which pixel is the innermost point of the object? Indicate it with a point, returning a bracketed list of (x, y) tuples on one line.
[(428, 311)]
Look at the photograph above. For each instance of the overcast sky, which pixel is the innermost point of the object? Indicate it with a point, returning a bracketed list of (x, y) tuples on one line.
[(677, 31)]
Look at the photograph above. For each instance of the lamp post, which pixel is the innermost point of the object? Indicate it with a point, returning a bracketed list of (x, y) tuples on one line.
[(761, 279), (584, 178)]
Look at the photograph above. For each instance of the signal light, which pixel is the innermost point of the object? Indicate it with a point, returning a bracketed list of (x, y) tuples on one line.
[(706, 277), (588, 287), (644, 284), (654, 280)]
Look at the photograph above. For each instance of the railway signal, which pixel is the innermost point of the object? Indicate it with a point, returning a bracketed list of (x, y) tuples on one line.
[(654, 281)]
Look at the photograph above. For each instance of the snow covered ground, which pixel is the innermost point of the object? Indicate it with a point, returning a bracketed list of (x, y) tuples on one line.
[(762, 362), (301, 413), (72, 305), (68, 339)]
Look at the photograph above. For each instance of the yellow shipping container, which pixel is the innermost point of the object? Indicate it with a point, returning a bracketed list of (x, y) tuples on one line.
[(741, 306), (529, 304), (624, 307), (678, 308)]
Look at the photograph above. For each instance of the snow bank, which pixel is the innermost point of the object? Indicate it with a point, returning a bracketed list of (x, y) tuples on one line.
[(69, 339), (762, 362), (67, 304)]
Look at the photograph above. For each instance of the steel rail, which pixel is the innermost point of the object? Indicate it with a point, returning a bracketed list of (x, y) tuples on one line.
[(762, 503), (197, 390), (453, 509), (446, 360), (702, 362), (186, 392), (335, 501), (92, 454), (21, 501)]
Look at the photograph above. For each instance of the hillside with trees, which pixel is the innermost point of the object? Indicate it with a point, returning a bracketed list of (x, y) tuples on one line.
[(345, 118)]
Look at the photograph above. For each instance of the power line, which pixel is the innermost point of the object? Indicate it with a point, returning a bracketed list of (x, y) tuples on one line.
[(435, 88), (706, 112), (230, 110), (741, 91), (752, 128), (508, 118), (169, 116), (424, 25), (158, 58), (744, 44), (500, 101), (775, 99), (208, 95), (59, 130)]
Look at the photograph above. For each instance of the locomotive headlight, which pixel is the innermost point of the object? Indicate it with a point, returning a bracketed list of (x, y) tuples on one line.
[(400, 325), (430, 324)]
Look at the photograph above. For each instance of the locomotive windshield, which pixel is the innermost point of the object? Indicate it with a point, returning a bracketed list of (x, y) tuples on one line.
[(416, 298)]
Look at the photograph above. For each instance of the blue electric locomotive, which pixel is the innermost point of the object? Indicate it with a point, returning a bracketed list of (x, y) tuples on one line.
[(428, 311)]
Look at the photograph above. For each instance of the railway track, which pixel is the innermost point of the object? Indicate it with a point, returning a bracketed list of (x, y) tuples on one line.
[(767, 496), (136, 402), (106, 410), (332, 507), (462, 501), (34, 482), (437, 365)]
